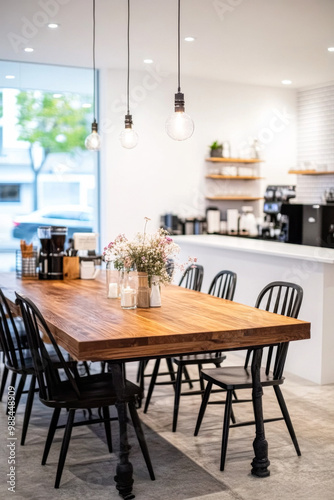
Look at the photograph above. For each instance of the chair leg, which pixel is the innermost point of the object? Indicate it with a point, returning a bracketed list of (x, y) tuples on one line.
[(3, 381), (226, 428), (177, 396), (27, 413), (106, 416), (141, 438), (19, 390), (187, 377), (13, 379), (51, 433), (85, 364), (12, 384), (171, 370), (64, 446), (152, 384), (201, 381), (287, 418), (202, 409)]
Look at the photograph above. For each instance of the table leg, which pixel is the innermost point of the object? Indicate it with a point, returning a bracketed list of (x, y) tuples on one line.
[(260, 462), (124, 469)]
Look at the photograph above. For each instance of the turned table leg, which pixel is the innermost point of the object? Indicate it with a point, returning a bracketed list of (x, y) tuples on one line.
[(260, 462), (124, 469)]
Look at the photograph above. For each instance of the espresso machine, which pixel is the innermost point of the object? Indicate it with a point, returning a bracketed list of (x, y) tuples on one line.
[(274, 197), (52, 252)]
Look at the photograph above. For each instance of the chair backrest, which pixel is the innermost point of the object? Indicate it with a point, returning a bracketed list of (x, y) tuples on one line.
[(223, 285), (279, 297), (10, 339), (193, 277), (46, 371)]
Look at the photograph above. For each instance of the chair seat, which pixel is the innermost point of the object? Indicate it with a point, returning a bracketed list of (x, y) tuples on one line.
[(197, 359), (237, 377), (95, 391)]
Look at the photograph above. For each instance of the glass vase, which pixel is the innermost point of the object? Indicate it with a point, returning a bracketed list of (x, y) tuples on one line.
[(143, 296), (155, 296), (129, 291), (113, 281)]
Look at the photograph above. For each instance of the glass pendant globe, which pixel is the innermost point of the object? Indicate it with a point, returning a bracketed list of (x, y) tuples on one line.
[(179, 126), (93, 141), (129, 138)]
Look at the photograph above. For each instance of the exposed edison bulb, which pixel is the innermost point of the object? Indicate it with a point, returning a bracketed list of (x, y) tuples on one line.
[(128, 137), (93, 140), (179, 126)]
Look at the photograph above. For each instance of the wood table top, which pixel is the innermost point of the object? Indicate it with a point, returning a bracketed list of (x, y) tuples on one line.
[(92, 327)]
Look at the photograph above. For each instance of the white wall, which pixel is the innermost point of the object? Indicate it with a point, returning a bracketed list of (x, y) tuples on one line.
[(162, 175)]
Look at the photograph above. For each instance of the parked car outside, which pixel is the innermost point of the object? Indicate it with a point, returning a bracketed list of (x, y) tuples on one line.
[(75, 217)]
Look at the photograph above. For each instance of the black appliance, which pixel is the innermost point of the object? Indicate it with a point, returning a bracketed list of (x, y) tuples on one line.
[(44, 234), (172, 224), (273, 199), (57, 242), (309, 224)]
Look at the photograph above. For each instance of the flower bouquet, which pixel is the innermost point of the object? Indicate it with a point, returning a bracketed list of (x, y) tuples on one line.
[(151, 255)]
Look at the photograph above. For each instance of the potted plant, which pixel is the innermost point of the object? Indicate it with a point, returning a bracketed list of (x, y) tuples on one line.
[(216, 150)]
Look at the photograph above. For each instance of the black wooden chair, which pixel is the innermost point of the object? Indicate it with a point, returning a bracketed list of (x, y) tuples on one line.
[(280, 298), (192, 277), (223, 286), (23, 339), (18, 358), (73, 392)]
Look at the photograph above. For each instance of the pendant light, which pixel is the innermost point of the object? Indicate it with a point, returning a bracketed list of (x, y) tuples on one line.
[(128, 137), (179, 125), (93, 140)]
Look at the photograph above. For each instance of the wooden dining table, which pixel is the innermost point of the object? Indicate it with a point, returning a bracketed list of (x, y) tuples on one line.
[(92, 327)]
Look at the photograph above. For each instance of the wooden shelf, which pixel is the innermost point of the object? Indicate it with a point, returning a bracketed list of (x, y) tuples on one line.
[(234, 198), (236, 177), (310, 172), (233, 160)]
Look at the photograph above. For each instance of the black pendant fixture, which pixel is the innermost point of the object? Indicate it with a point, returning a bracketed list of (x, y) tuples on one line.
[(93, 140), (179, 125), (128, 137)]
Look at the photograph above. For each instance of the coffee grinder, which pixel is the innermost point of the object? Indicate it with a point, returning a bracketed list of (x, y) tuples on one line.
[(57, 242), (44, 234)]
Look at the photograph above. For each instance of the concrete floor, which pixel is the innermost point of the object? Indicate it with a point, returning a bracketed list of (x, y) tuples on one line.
[(187, 467)]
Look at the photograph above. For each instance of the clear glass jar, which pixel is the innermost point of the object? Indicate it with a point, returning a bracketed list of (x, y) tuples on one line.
[(129, 291), (113, 281)]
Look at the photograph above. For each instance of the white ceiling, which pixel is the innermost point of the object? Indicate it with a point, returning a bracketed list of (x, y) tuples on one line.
[(250, 41)]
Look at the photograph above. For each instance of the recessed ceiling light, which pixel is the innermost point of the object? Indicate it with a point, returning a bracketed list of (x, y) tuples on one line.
[(10, 77), (286, 82), (330, 49), (53, 26), (56, 96), (189, 39), (86, 105), (28, 49), (148, 61)]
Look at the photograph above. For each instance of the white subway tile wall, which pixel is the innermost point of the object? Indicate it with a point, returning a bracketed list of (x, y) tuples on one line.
[(315, 145)]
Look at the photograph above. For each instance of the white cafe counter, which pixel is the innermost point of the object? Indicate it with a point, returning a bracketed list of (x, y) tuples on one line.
[(258, 262)]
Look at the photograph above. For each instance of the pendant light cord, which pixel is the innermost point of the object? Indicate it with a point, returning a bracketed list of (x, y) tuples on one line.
[(94, 72), (178, 46), (128, 76)]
